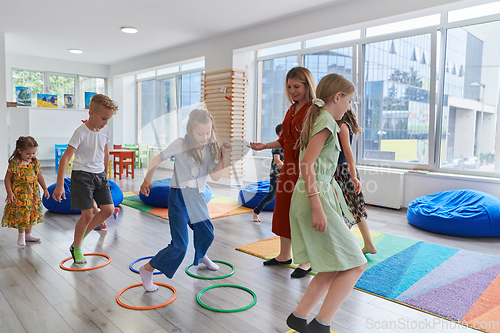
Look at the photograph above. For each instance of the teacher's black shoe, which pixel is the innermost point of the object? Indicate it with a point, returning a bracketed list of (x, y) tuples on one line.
[(274, 262), (300, 273)]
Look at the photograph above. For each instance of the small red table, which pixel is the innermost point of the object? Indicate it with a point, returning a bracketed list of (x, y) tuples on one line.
[(125, 158)]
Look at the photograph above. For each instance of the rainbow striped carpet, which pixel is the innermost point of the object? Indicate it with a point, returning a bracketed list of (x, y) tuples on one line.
[(455, 284)]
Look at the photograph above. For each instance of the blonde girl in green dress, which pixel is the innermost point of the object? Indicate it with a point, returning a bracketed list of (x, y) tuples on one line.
[(319, 234), (24, 205)]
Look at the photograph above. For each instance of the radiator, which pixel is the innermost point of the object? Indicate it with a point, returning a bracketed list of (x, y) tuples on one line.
[(382, 187)]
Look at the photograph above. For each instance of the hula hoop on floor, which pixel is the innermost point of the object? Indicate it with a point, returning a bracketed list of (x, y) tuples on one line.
[(146, 307), (211, 277), (135, 270), (230, 286), (61, 264)]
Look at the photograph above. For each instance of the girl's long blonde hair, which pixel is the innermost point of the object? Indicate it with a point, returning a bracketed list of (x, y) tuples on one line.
[(23, 143), (305, 76), (328, 87), (203, 117), (350, 119)]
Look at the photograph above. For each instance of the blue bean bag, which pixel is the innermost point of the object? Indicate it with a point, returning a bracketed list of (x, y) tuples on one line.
[(158, 195), (465, 213), (252, 194), (64, 207)]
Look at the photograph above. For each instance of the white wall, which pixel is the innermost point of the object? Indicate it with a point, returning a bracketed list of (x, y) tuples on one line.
[(124, 123), (41, 123), (416, 185), (3, 110)]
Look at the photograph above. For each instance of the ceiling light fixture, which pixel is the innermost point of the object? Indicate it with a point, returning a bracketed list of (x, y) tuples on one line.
[(75, 51), (129, 30)]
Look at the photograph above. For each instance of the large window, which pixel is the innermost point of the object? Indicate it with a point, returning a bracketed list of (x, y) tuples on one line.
[(165, 121), (33, 82), (63, 85), (471, 98), (165, 99), (273, 102), (69, 88), (90, 84), (147, 125), (190, 96), (396, 86), (428, 91), (332, 61)]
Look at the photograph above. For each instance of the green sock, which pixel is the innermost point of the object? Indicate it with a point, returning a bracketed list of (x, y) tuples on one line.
[(78, 255), (85, 235)]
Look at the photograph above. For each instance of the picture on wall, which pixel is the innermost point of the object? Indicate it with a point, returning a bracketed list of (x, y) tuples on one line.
[(88, 97), (46, 100), (69, 101), (23, 96)]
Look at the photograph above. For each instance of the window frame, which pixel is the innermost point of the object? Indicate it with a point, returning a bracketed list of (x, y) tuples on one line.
[(157, 78), (432, 99), (438, 34), (46, 86)]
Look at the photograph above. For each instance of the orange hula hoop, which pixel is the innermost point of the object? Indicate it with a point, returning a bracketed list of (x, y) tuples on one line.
[(146, 307), (88, 268)]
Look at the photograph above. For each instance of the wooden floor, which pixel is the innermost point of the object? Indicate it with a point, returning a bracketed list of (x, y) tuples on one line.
[(38, 296)]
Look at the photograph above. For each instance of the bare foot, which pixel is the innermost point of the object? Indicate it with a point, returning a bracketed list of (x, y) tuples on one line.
[(256, 217), (369, 250)]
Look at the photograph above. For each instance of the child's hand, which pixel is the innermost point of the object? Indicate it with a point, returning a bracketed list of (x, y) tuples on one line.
[(58, 193), (280, 164), (46, 194), (319, 221), (145, 188), (257, 146), (10, 198), (226, 148), (357, 185)]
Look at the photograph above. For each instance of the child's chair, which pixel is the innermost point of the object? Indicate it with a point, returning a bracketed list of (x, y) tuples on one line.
[(59, 151), (135, 148), (144, 155), (123, 163), (70, 164), (115, 157)]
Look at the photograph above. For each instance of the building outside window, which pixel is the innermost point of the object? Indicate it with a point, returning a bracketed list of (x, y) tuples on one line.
[(332, 61), (396, 99), (471, 98), (396, 71)]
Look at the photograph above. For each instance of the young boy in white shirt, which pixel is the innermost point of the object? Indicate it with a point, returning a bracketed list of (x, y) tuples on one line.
[(89, 180)]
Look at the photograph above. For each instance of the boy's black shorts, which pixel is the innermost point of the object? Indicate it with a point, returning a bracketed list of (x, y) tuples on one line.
[(86, 186)]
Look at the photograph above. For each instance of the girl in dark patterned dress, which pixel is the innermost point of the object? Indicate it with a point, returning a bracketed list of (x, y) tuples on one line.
[(351, 186)]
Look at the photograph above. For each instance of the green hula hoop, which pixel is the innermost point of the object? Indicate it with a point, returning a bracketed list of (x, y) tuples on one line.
[(211, 277), (230, 286)]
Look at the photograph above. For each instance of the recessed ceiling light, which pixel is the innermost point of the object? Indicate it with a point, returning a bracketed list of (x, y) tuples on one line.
[(75, 51), (129, 30)]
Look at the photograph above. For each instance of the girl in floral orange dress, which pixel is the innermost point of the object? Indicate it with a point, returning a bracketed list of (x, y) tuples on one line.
[(24, 205)]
